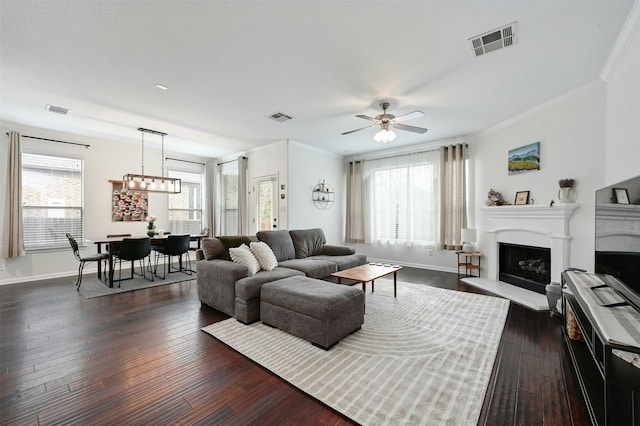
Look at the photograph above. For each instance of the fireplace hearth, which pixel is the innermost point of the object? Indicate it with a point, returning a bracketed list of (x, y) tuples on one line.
[(529, 225), (525, 266)]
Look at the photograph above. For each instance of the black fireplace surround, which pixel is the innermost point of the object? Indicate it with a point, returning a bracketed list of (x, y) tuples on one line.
[(525, 266)]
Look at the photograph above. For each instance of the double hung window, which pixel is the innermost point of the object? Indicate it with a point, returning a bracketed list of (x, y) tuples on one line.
[(52, 201), (401, 200), (185, 208)]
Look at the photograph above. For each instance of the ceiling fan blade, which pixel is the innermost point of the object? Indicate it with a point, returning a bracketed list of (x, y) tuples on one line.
[(357, 130), (409, 116), (366, 117), (410, 128)]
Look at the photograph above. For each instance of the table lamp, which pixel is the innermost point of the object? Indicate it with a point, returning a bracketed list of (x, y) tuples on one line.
[(468, 237)]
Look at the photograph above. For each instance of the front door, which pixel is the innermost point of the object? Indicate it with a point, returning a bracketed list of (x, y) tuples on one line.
[(266, 203)]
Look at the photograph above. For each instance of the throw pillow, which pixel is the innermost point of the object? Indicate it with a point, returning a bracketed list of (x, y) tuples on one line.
[(264, 254), (232, 241), (212, 248), (280, 242), (242, 256)]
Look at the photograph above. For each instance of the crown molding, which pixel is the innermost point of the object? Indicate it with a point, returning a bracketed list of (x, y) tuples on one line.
[(624, 40)]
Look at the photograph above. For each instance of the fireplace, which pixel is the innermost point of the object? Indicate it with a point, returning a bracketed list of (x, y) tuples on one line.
[(525, 266), (536, 226)]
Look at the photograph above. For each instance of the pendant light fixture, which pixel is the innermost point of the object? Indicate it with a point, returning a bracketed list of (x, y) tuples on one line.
[(149, 183)]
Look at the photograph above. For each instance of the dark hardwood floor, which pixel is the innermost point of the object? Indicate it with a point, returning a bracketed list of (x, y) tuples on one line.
[(141, 358)]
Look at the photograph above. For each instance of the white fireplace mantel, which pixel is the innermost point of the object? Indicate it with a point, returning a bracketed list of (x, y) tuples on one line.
[(530, 225)]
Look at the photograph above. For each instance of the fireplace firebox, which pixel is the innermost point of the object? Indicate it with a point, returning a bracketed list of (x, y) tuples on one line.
[(525, 266)]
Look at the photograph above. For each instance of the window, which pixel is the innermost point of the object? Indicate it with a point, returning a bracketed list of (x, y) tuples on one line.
[(185, 208), (229, 198), (401, 198), (52, 201)]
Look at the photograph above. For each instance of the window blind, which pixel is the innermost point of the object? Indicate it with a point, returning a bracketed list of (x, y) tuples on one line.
[(52, 201)]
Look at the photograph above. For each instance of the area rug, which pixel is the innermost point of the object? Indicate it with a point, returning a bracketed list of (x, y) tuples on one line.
[(424, 357), (93, 287)]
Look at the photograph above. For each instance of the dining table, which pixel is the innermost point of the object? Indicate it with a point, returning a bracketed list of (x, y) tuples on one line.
[(109, 243)]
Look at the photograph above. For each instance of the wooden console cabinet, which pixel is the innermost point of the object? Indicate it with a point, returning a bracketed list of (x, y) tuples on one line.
[(610, 330)]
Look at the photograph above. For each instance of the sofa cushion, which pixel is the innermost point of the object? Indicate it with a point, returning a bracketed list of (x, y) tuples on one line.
[(212, 248), (280, 242), (318, 268), (344, 262), (243, 256), (331, 250), (307, 242), (249, 287), (232, 241), (264, 254)]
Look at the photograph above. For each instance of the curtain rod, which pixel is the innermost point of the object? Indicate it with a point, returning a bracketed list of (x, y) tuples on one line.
[(184, 161), (406, 153), (230, 161), (54, 140)]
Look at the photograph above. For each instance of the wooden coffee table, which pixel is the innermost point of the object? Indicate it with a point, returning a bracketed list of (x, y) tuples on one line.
[(369, 272)]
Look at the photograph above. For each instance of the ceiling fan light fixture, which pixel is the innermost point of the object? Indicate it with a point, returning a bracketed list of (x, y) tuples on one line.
[(385, 136)]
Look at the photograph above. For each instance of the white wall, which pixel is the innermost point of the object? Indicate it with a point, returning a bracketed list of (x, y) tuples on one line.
[(623, 105), (104, 160), (571, 132), (308, 167)]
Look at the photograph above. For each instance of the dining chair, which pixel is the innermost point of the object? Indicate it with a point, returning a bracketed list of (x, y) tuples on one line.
[(175, 245), (132, 249), (95, 257), (115, 247)]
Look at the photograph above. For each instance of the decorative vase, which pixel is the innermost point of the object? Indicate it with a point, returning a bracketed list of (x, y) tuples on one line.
[(564, 194), (151, 230)]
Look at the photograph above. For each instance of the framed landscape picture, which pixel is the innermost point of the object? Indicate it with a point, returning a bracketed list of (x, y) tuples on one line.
[(524, 159)]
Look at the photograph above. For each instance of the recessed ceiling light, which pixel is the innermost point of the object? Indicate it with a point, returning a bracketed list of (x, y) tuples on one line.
[(161, 86)]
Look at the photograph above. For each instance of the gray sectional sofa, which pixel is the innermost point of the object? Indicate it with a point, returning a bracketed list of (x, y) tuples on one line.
[(227, 286)]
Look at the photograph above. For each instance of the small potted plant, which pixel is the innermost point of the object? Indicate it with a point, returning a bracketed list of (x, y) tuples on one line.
[(151, 229), (494, 198)]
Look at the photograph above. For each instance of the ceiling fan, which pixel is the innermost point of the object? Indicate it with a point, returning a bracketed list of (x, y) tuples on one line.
[(385, 120)]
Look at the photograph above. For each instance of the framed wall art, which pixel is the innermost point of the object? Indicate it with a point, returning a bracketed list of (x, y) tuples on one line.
[(522, 198), (620, 196), (128, 205), (524, 159)]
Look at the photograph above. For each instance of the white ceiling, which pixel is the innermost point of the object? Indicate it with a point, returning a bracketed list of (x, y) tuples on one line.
[(229, 64)]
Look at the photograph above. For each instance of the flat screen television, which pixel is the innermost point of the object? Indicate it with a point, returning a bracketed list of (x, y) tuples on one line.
[(617, 238)]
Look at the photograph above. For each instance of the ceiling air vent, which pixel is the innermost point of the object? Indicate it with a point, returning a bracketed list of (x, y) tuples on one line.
[(493, 40), (279, 117), (57, 109)]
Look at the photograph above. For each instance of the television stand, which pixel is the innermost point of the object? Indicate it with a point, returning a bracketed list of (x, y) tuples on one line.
[(604, 359)]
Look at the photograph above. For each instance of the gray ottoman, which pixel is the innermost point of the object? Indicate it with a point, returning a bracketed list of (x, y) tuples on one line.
[(314, 310)]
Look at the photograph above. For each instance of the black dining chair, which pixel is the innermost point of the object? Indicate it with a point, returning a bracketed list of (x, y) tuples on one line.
[(95, 257), (115, 247), (175, 245), (132, 249)]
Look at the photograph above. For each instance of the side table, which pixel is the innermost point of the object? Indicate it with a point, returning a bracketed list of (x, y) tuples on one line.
[(468, 263)]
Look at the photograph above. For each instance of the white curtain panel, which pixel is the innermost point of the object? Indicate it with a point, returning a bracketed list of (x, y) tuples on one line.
[(212, 191), (355, 203), (401, 200), (12, 240), (242, 195), (453, 200)]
